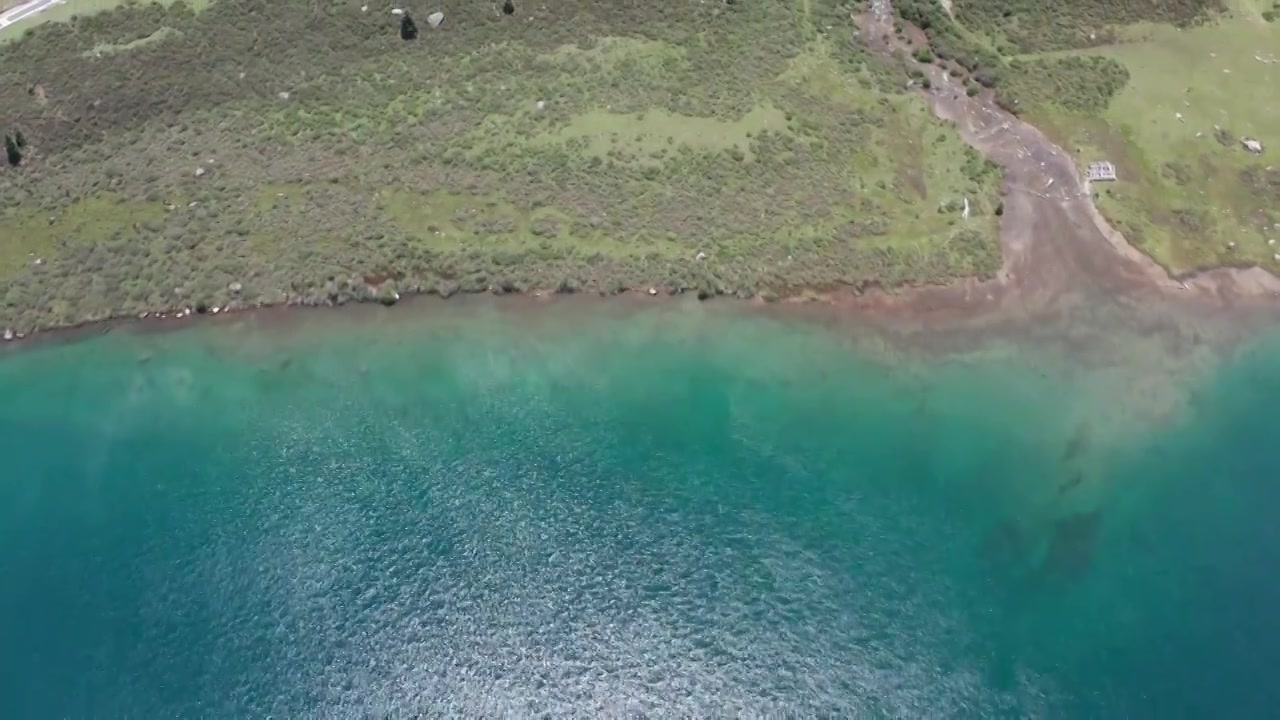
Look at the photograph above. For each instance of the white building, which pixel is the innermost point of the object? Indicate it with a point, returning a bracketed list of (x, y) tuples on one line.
[(1101, 170)]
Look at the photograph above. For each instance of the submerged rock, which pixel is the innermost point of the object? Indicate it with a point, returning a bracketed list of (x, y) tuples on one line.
[(1072, 544), (447, 288), (387, 294)]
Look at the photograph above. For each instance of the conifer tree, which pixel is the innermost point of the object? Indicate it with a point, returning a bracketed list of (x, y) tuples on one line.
[(408, 29), (12, 151)]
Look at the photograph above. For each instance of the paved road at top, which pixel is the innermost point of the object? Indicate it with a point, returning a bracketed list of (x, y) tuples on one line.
[(22, 12)]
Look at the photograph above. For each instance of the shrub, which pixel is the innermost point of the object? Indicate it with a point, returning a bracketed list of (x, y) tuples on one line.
[(1079, 84), (12, 151), (1037, 26)]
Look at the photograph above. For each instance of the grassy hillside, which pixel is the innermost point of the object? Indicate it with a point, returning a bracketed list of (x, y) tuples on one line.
[(270, 151), (1167, 91)]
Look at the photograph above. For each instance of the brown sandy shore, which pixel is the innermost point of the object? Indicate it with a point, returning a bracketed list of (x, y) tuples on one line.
[(1063, 267)]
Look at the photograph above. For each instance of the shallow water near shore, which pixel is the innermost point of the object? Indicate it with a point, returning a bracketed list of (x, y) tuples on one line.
[(667, 512)]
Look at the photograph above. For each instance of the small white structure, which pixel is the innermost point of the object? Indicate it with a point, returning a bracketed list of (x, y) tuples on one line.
[(1101, 171), (1251, 145)]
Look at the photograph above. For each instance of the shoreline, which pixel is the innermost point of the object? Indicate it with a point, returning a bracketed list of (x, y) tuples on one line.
[(1097, 330), (1144, 364), (957, 317)]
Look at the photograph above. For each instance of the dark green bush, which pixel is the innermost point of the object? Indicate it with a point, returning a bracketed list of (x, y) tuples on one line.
[(1079, 84), (1038, 26)]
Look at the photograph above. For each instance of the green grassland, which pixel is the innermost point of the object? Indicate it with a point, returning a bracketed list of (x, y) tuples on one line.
[(164, 33), (264, 152), (1191, 194), (1166, 91)]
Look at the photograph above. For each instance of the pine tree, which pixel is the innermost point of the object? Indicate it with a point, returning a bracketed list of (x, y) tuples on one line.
[(12, 151), (508, 8), (408, 30), (19, 139)]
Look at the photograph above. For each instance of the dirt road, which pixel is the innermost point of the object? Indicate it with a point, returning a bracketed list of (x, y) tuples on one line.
[(1055, 243)]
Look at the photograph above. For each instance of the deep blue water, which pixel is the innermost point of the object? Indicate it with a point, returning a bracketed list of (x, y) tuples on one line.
[(662, 513)]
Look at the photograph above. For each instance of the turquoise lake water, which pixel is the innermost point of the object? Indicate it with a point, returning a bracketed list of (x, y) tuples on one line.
[(661, 513)]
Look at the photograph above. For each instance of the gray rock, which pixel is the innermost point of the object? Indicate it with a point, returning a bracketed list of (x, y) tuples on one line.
[(235, 287), (435, 18), (387, 294)]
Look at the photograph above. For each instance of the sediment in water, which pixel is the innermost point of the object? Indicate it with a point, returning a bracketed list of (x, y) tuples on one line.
[(593, 508)]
